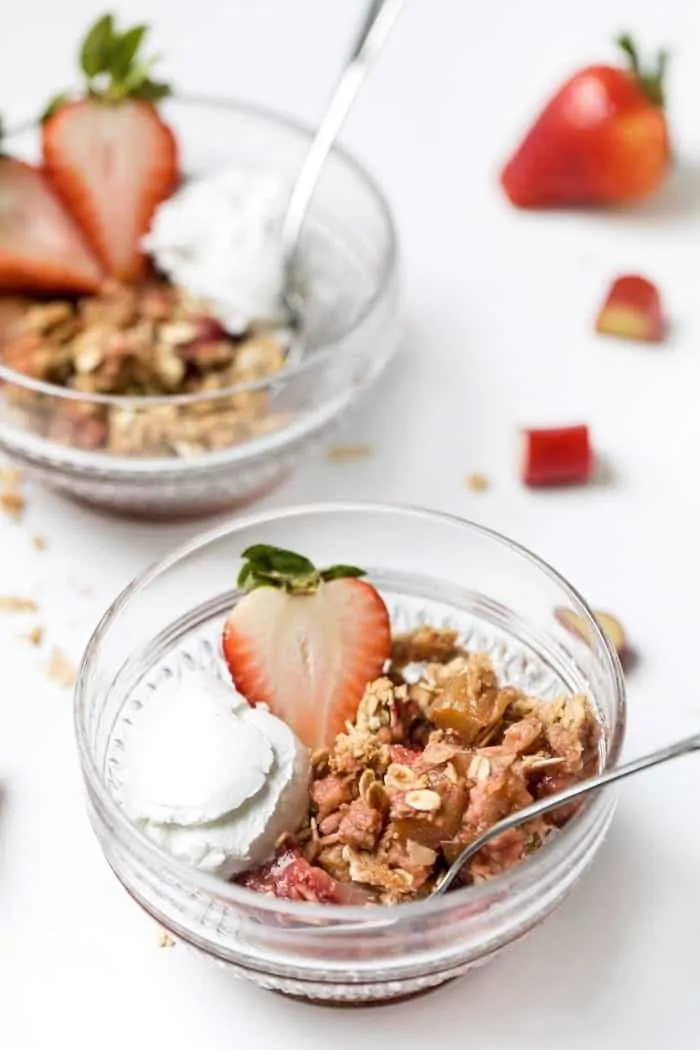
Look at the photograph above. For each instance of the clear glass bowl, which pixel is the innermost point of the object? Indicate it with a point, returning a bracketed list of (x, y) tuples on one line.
[(348, 266), (429, 567)]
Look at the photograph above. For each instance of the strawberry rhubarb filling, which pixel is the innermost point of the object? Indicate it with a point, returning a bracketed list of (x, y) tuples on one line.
[(344, 765)]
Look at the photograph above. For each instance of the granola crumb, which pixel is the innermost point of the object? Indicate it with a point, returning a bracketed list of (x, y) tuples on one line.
[(39, 543), (11, 498), (477, 482), (10, 477), (34, 637), (60, 670), (12, 604), (342, 453), (165, 939), (12, 503)]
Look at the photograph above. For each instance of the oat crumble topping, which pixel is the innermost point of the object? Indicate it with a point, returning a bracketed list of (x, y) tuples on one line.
[(425, 768), (152, 340)]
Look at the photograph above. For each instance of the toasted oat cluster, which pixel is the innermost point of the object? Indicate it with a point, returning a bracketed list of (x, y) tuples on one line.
[(151, 340), (424, 769)]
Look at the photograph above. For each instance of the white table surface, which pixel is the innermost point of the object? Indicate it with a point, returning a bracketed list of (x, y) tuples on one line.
[(498, 334)]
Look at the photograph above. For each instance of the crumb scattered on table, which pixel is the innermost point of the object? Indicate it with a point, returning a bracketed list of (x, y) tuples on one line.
[(60, 670), (38, 543), (477, 482), (351, 450), (10, 477), (35, 636), (165, 940), (11, 603), (11, 498), (12, 503)]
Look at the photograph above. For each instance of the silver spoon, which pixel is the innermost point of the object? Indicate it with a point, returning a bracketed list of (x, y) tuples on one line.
[(374, 31), (546, 805)]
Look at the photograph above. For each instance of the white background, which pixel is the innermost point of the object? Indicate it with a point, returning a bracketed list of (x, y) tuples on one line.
[(499, 334)]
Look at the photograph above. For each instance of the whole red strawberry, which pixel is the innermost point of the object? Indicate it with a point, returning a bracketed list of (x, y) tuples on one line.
[(109, 154), (602, 139), (305, 641)]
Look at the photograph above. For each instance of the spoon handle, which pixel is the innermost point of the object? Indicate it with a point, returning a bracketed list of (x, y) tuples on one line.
[(376, 26), (546, 805)]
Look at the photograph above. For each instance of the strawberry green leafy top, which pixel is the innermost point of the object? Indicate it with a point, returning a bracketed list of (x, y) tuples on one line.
[(267, 566), (651, 81), (113, 66)]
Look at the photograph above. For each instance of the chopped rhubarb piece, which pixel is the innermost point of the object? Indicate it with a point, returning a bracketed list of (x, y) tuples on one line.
[(609, 625), (632, 310), (558, 456), (613, 630), (305, 641)]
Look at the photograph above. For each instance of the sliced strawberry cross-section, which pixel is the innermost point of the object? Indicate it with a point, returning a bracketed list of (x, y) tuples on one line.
[(304, 641), (41, 248), (112, 165), (109, 154)]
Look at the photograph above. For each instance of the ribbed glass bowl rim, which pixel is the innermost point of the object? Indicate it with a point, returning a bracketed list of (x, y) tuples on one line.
[(307, 364), (141, 847)]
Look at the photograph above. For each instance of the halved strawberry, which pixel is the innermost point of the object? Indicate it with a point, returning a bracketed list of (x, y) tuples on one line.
[(110, 156), (305, 642), (112, 165), (41, 248)]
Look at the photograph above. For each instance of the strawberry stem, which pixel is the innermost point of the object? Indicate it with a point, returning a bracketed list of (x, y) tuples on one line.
[(651, 82), (266, 566)]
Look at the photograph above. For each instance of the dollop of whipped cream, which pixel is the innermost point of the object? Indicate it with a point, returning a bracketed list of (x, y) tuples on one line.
[(219, 238), (212, 780)]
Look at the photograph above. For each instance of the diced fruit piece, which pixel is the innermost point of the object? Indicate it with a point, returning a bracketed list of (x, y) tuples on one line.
[(112, 165), (602, 139), (632, 310), (572, 621), (290, 876), (609, 625), (557, 456), (110, 156), (305, 641), (467, 709), (613, 630), (431, 829), (41, 248)]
